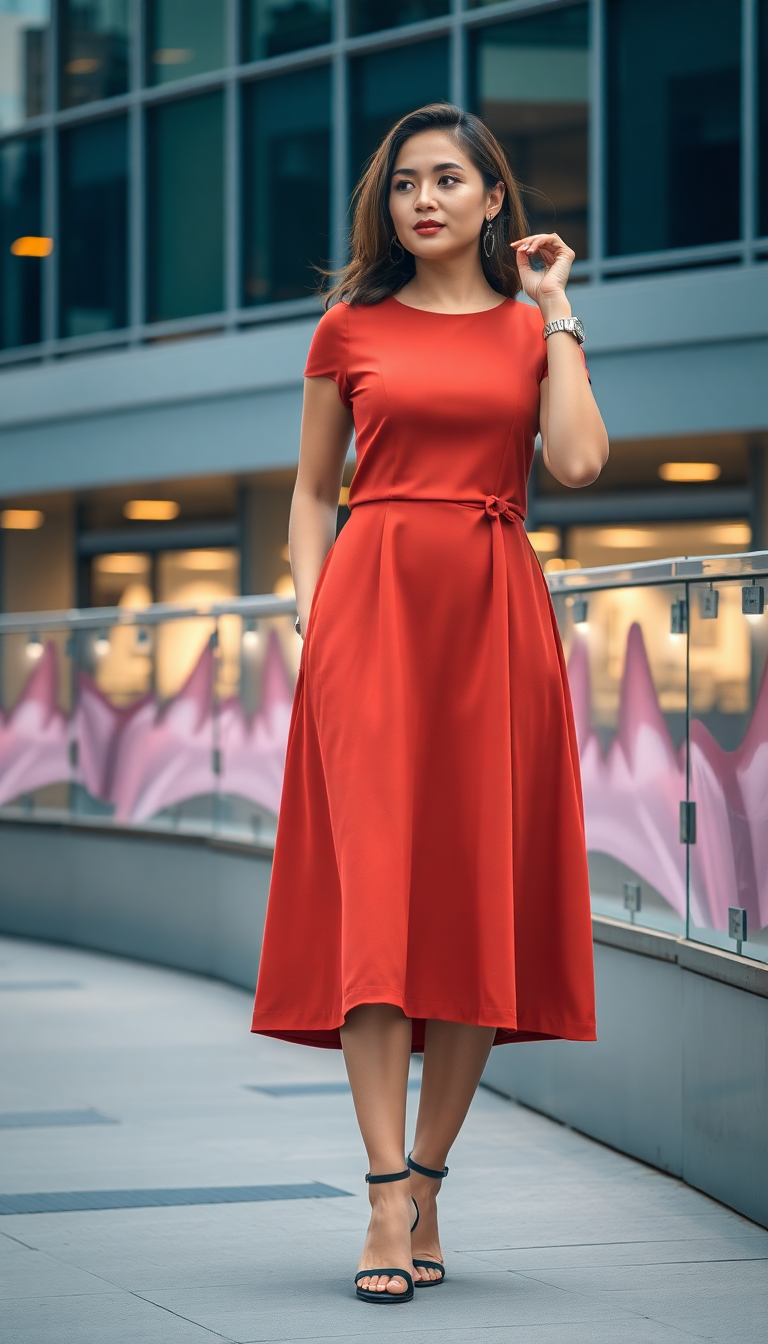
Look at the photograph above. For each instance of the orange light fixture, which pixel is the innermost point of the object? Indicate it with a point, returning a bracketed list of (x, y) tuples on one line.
[(173, 56), (21, 520), (689, 471), (31, 246), (82, 65), (151, 510)]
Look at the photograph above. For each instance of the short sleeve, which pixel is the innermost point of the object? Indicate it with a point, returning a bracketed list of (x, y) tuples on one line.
[(329, 351), (545, 366)]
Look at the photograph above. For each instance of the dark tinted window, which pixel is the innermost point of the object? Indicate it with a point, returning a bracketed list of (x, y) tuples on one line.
[(287, 127), (673, 123), (530, 84), (22, 249), (184, 37), (93, 267), (366, 16), (763, 96), (386, 85), (93, 50), (185, 208), (23, 48), (272, 27)]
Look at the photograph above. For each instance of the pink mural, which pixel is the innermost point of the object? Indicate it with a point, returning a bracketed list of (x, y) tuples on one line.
[(632, 797), (150, 756)]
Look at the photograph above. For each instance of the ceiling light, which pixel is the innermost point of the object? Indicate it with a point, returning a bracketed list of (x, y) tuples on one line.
[(82, 65), (21, 520), (31, 246), (151, 510), (34, 648), (122, 564), (250, 634), (544, 541), (625, 538), (689, 471), (206, 560), (172, 56), (101, 644), (732, 534)]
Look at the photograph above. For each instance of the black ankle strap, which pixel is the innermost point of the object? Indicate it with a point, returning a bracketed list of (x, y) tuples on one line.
[(390, 1176), (426, 1171)]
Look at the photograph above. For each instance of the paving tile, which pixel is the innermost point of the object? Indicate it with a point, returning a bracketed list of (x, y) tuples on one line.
[(549, 1237), (114, 1318)]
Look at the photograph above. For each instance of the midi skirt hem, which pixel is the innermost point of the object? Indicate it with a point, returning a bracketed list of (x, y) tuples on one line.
[(509, 1027)]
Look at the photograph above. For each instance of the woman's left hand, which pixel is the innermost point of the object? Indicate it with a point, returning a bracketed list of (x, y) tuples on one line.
[(547, 286)]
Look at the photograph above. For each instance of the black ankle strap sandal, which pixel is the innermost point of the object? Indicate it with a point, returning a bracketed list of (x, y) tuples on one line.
[(371, 1294), (428, 1264)]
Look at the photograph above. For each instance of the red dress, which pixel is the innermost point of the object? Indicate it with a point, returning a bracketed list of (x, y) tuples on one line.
[(430, 845)]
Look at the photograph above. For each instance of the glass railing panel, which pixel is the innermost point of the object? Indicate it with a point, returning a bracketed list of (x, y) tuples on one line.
[(257, 665), (626, 654), (37, 757), (729, 765)]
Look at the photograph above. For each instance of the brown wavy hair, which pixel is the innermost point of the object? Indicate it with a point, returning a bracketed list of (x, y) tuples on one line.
[(371, 275)]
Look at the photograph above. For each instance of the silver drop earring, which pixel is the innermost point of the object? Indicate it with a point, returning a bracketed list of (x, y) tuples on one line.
[(395, 241), (488, 234)]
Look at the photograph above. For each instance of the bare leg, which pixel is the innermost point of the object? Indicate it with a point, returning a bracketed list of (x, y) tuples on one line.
[(455, 1055), (376, 1040)]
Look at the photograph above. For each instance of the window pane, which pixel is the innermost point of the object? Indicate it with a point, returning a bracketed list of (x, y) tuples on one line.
[(186, 210), (287, 139), (763, 96), (20, 228), (366, 16), (93, 271), (530, 84), (387, 84), (185, 37), (673, 124), (276, 26), (23, 25), (93, 50)]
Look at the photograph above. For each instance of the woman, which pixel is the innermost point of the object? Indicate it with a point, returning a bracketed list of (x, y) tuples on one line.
[(429, 890)]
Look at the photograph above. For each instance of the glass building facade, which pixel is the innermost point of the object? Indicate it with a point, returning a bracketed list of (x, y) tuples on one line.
[(169, 166)]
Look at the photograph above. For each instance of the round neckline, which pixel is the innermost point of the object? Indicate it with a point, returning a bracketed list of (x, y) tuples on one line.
[(433, 312)]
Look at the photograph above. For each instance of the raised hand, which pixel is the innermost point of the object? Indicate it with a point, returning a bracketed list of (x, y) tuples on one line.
[(548, 286)]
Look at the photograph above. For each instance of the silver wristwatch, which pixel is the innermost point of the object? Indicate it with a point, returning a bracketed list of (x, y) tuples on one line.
[(570, 324)]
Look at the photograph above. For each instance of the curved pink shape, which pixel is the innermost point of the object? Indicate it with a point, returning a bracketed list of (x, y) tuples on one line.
[(34, 737)]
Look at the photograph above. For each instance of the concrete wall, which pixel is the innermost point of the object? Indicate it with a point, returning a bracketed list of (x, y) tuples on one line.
[(195, 904), (678, 1077), (679, 1074)]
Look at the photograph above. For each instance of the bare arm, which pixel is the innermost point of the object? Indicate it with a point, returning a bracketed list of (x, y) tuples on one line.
[(326, 432), (573, 435)]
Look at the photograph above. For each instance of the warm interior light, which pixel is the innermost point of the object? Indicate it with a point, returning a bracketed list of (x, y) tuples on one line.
[(30, 246), (284, 586), (151, 510), (544, 541), (205, 560), (22, 520), (732, 534), (122, 564), (554, 565), (689, 471), (172, 56), (82, 65), (101, 645), (34, 647), (344, 495), (625, 538)]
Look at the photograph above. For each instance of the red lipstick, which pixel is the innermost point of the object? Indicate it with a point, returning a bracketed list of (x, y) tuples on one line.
[(428, 227)]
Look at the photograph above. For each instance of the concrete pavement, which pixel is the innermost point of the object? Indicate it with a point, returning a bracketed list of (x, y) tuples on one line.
[(124, 1078)]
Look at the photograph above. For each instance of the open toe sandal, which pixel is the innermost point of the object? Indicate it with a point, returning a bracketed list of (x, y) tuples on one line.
[(428, 1264), (371, 1294)]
